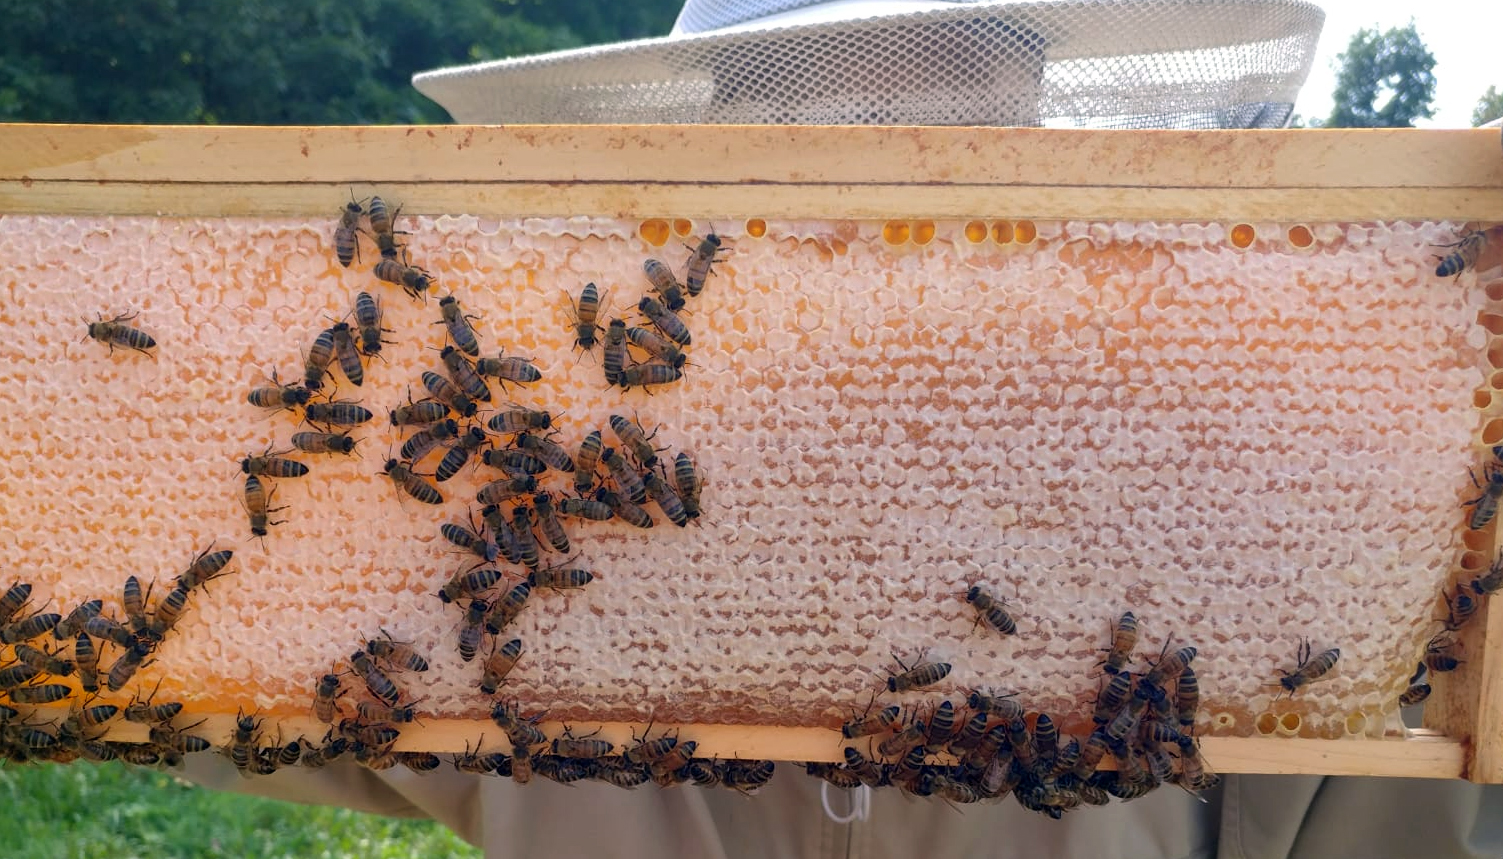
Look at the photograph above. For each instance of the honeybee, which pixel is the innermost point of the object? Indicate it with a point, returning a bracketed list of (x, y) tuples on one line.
[(272, 464), (134, 602), (368, 321), (115, 333), (460, 453), (458, 324), (667, 500), (370, 711), (421, 413), (1459, 607), (326, 697), (1467, 249), (468, 584), (413, 280), (1485, 506), (28, 628), (904, 741), (71, 625), (126, 666), (513, 369), (323, 442), (344, 413), (375, 679), (626, 479), (347, 353), (649, 751), (615, 352), (206, 566), (569, 746), (469, 540), (505, 609), (548, 451), (869, 772), (518, 463), (1193, 775), (243, 745), (464, 374), (1440, 655), (428, 438), (990, 610), (471, 629), (584, 508), (346, 245), (942, 725), (499, 664), (834, 774), (521, 764), (1415, 694), (421, 762), (672, 327), (506, 539), (747, 776), (701, 261), (396, 653), (549, 523), (320, 356), (13, 600), (656, 346), (168, 612), (518, 419), (1308, 670), (412, 483), (506, 489), (92, 717), (179, 740), (381, 216), (278, 396), (1186, 699), (1170, 666), (560, 577), (583, 316), (635, 439), (86, 658), (623, 508), (1124, 639), (918, 676), (646, 375), (585, 462), (12, 676), (446, 391), (1489, 582), (525, 545), (107, 629), (664, 284), (257, 505), (145, 712)]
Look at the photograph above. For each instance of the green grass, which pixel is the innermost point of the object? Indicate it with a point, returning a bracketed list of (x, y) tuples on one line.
[(114, 811)]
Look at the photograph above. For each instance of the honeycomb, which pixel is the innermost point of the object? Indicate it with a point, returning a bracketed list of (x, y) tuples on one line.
[(1247, 434)]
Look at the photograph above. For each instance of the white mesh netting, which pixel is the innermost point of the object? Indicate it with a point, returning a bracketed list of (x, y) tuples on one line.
[(1113, 64)]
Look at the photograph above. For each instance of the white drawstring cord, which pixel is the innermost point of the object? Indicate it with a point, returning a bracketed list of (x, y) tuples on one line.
[(861, 803)]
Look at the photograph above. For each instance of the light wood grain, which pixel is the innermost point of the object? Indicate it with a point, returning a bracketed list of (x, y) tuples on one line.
[(725, 171)]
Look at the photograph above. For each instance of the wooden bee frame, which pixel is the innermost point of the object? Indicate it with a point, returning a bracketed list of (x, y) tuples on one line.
[(857, 173)]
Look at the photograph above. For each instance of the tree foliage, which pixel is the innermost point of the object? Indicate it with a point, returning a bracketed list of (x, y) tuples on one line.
[(1394, 67), (1488, 108), (276, 61)]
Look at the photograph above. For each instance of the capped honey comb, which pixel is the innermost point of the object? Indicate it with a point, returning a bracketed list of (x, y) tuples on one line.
[(1247, 434)]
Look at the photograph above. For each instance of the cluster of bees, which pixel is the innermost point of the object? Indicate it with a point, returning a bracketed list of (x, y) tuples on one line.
[(989, 746), (663, 347), (28, 677)]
